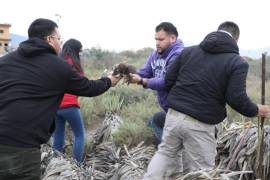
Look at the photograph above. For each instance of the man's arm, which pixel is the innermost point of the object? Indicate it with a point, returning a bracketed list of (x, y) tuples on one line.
[(236, 95), (158, 83), (146, 71), (154, 83), (143, 73), (82, 86)]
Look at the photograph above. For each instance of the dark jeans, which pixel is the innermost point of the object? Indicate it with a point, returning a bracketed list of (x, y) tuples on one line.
[(19, 163), (157, 123)]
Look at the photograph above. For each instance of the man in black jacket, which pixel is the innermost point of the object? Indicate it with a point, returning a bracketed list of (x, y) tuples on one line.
[(202, 80), (33, 80)]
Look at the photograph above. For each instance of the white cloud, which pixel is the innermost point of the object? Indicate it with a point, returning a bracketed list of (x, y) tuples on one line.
[(129, 24)]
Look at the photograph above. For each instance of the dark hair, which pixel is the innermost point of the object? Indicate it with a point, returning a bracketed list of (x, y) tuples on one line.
[(72, 48), (231, 28), (41, 28), (167, 27)]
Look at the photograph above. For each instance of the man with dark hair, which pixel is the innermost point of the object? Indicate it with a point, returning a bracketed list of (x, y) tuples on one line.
[(153, 73), (33, 80), (201, 81), (230, 27), (168, 27)]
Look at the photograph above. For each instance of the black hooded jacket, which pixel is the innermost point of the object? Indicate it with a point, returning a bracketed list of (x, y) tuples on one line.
[(206, 77), (32, 83)]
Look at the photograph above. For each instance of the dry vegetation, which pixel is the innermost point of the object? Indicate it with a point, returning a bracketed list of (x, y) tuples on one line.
[(135, 105)]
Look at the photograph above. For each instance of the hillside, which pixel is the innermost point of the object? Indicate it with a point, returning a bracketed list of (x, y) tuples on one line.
[(16, 39), (254, 53)]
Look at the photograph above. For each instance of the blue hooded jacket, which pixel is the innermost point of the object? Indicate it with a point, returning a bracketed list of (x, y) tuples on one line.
[(155, 68)]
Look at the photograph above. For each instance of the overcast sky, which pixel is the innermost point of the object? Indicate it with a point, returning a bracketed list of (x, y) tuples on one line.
[(130, 24)]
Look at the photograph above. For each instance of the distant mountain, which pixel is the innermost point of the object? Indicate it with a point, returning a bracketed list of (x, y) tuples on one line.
[(255, 53), (16, 39), (252, 53)]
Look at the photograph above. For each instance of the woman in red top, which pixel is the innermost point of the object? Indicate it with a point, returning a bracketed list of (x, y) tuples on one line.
[(70, 109)]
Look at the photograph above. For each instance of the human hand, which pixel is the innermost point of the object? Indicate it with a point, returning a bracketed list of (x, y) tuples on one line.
[(114, 79), (263, 110), (133, 79)]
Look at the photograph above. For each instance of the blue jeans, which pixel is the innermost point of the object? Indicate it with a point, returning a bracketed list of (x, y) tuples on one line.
[(156, 123), (73, 116)]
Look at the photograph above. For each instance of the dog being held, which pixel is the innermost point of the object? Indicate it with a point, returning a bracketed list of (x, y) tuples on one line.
[(124, 70)]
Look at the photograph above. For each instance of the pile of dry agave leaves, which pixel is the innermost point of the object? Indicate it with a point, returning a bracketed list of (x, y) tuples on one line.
[(237, 152), (236, 157), (105, 161)]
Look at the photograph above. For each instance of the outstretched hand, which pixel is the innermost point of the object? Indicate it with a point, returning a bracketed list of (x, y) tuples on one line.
[(114, 79), (134, 79)]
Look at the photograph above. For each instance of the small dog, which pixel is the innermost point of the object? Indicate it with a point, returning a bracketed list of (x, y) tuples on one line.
[(124, 70)]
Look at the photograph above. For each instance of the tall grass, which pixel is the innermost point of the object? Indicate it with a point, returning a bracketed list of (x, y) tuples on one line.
[(132, 103), (135, 117)]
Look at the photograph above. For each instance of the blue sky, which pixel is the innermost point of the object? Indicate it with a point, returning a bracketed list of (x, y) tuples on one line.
[(129, 24)]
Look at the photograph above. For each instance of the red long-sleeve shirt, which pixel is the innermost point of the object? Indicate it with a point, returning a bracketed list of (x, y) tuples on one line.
[(70, 99)]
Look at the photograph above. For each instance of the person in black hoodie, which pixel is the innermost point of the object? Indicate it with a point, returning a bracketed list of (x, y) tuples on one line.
[(33, 80), (201, 81)]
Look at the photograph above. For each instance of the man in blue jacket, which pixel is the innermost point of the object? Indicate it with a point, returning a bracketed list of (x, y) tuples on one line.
[(168, 47), (202, 80)]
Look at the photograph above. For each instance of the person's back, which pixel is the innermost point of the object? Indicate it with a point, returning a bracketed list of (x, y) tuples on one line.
[(30, 86), (200, 82), (212, 74)]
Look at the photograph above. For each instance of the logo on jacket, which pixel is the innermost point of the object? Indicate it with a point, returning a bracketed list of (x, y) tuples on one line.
[(158, 67)]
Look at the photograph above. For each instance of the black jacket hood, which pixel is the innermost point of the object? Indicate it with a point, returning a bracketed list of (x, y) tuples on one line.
[(219, 42), (34, 46)]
